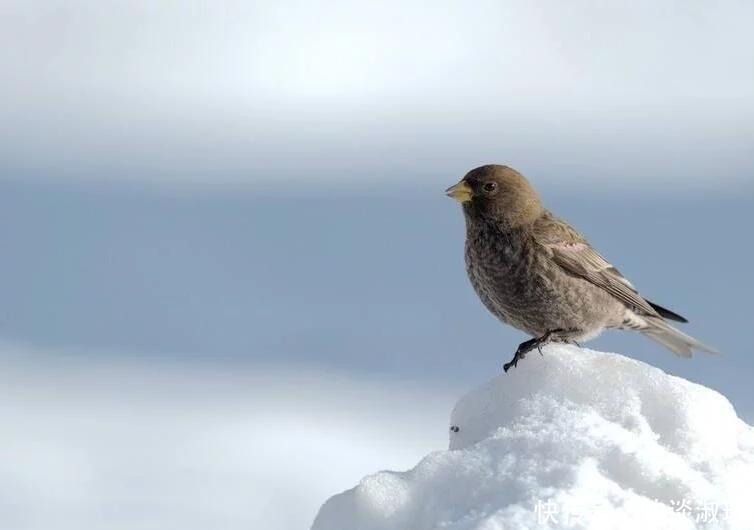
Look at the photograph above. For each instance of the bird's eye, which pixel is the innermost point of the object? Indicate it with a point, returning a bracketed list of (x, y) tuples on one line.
[(489, 187)]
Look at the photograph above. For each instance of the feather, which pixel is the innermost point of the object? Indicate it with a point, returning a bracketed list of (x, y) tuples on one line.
[(571, 251), (673, 339), (667, 313)]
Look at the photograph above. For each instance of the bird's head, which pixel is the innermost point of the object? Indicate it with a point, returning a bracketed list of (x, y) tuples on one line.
[(499, 193)]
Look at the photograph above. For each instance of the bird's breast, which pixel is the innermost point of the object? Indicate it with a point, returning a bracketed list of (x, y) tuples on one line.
[(501, 272), (518, 283)]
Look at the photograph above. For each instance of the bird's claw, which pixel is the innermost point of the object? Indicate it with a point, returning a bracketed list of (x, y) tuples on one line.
[(529, 345), (512, 364), (521, 351)]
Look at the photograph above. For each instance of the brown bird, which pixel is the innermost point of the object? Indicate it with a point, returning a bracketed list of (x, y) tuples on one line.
[(536, 273)]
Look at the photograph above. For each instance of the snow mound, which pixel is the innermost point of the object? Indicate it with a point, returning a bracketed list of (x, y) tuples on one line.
[(574, 439)]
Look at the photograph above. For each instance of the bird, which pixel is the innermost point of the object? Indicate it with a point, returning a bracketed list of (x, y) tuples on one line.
[(537, 273)]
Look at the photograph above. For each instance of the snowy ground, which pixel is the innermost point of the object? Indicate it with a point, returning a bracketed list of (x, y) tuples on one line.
[(100, 442), (574, 439)]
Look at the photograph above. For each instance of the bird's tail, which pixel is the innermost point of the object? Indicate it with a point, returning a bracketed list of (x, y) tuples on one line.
[(673, 339)]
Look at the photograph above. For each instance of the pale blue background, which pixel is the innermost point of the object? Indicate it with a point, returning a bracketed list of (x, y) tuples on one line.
[(367, 282)]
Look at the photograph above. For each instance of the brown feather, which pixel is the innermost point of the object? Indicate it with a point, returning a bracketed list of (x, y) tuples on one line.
[(576, 256)]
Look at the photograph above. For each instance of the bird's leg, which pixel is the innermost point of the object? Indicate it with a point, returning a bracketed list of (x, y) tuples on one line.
[(529, 345), (566, 336)]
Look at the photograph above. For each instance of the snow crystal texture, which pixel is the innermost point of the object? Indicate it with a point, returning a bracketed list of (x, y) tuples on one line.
[(574, 439)]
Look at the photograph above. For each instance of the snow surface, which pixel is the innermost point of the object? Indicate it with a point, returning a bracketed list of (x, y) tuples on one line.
[(574, 439)]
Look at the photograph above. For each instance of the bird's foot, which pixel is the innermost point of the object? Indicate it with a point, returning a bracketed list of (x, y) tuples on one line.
[(523, 349), (529, 345)]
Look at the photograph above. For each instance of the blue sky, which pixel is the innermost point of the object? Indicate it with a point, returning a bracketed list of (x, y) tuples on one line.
[(256, 187), (370, 282)]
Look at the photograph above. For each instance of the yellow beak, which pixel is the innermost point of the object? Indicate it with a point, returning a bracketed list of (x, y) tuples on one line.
[(461, 192)]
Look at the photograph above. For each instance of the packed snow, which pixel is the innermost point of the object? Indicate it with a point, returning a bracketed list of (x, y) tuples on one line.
[(571, 439)]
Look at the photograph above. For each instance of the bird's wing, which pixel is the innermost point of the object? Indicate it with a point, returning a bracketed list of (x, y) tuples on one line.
[(574, 254)]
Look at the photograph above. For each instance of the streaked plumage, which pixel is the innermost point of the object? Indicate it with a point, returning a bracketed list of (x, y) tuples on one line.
[(538, 274)]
